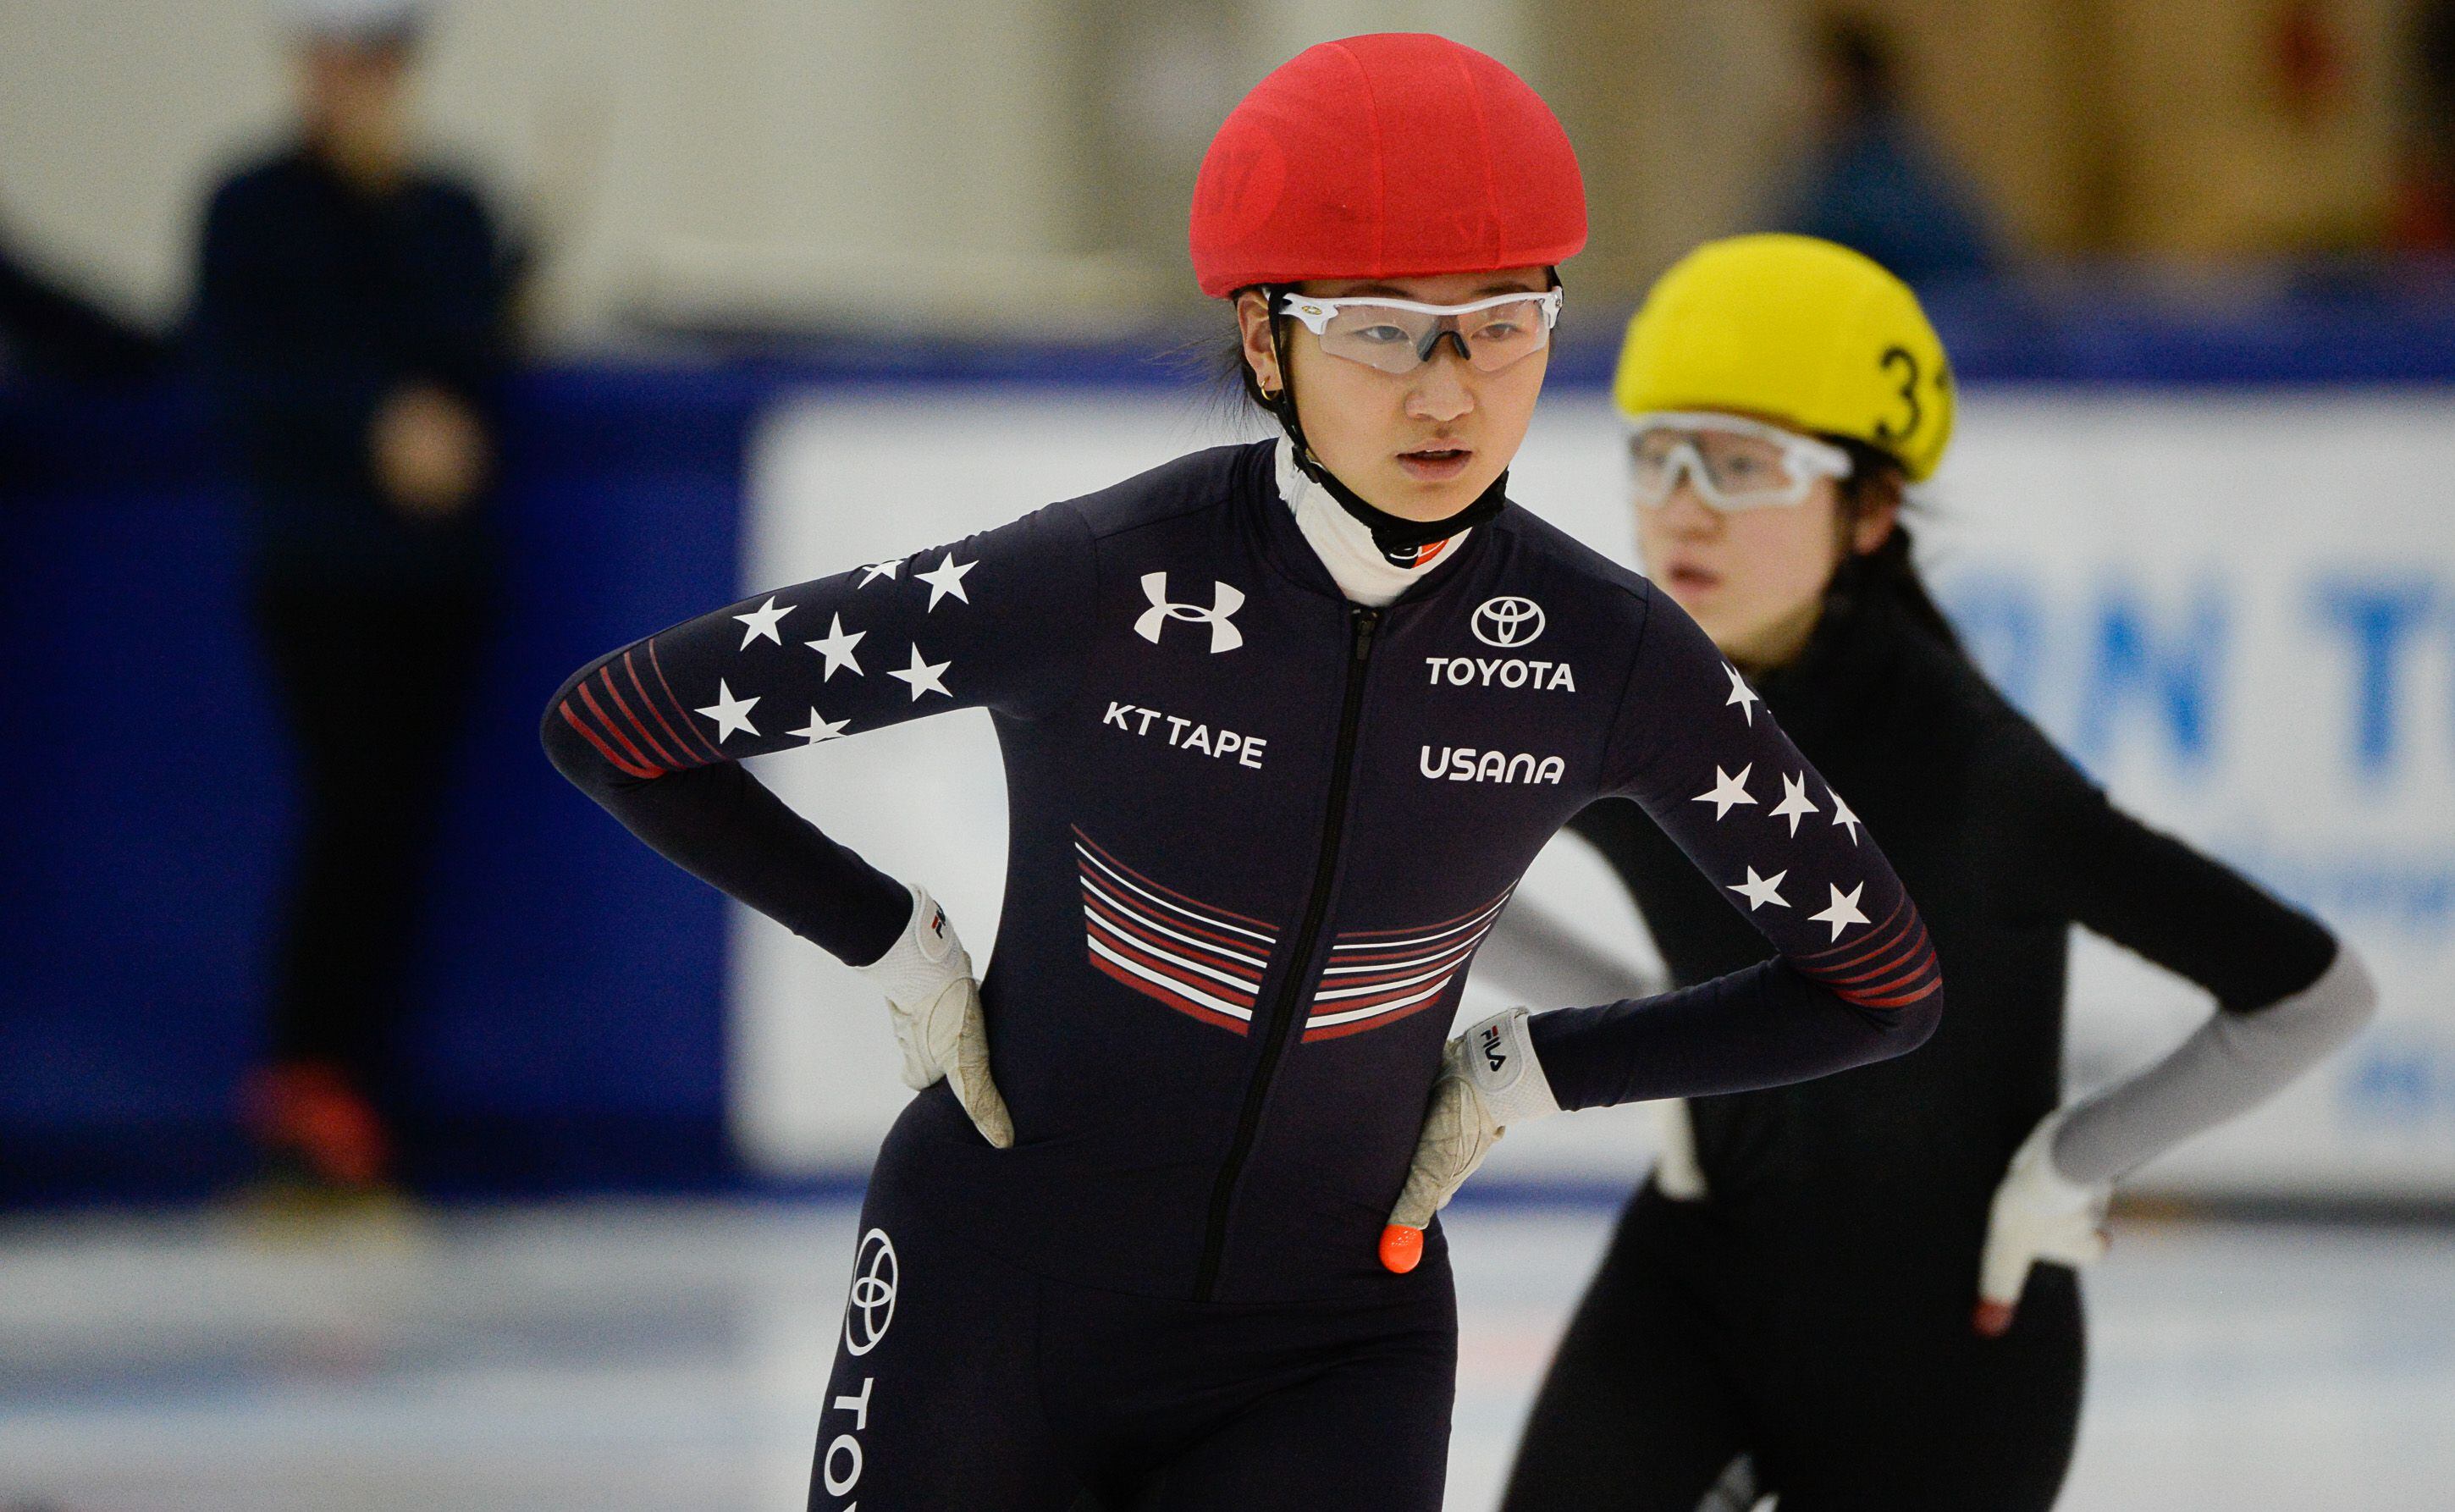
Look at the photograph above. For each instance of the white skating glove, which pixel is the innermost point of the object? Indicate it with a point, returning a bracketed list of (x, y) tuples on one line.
[(1490, 1079), (2038, 1215), (1676, 1175), (936, 1007)]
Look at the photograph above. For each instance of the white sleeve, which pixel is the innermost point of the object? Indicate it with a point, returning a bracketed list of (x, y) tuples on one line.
[(2229, 1065)]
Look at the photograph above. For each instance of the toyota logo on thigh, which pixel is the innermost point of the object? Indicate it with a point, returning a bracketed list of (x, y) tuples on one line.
[(1508, 620), (871, 1307)]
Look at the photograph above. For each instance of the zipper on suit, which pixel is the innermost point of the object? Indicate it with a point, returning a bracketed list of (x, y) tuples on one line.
[(1286, 1010)]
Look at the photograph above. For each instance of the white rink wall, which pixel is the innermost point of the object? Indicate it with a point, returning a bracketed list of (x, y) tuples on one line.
[(2238, 611)]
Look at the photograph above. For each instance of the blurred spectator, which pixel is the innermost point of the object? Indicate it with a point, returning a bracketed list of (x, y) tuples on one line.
[(2425, 200), (1874, 184), (350, 319), (48, 330)]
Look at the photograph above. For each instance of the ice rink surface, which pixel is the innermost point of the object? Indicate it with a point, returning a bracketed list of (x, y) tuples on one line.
[(636, 1356)]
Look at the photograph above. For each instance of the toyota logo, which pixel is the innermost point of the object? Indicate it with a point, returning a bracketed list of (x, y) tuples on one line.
[(1508, 620), (871, 1307)]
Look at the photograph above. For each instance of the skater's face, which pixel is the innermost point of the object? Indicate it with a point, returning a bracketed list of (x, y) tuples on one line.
[(354, 103), (1754, 579), (1421, 444)]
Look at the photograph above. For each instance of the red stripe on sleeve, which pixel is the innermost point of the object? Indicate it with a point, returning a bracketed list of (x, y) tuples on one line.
[(1892, 966), (602, 749), (605, 674), (657, 666), (1902, 1001), (650, 705), (1892, 990), (1880, 936), (611, 728), (1911, 950)]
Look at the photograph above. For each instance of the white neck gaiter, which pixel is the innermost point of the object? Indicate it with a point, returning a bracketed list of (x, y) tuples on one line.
[(1345, 543)]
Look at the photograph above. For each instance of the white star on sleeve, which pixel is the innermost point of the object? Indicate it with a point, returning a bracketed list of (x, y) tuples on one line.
[(1742, 695), (819, 729), (923, 675), (1726, 791), (877, 570), (730, 713), (945, 579), (760, 624), (1841, 814), (837, 647), (1794, 803), (1759, 890), (1844, 911)]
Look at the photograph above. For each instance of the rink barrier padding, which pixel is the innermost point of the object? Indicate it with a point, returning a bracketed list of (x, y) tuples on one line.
[(571, 1032)]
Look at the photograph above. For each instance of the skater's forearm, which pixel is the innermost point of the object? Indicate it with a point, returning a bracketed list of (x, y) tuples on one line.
[(1766, 1026), (653, 732), (2232, 1063), (727, 828), (2288, 992)]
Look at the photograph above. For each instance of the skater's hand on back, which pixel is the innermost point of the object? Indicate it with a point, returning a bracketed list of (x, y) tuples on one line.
[(2038, 1215), (427, 450), (1676, 1175), (1490, 1079), (935, 1005)]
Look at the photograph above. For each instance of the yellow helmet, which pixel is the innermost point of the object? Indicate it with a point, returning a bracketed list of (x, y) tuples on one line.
[(1798, 329)]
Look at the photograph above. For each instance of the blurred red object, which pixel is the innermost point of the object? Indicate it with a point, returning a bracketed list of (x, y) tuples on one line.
[(308, 1113)]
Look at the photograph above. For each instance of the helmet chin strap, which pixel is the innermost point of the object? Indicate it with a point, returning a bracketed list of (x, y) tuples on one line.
[(1399, 538)]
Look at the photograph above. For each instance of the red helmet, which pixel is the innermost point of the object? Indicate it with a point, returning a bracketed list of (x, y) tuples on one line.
[(1385, 157)]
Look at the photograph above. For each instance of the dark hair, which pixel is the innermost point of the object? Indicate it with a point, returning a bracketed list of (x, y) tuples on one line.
[(1222, 381), (1235, 377), (1876, 479)]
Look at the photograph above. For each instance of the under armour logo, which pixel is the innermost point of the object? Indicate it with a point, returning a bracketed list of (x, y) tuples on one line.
[(1225, 601)]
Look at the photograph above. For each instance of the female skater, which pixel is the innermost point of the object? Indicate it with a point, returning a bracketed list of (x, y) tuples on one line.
[(1797, 1283), (1282, 724)]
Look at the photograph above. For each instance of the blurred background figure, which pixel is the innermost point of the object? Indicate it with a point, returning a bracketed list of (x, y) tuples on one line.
[(350, 319), (1873, 182), (2424, 219)]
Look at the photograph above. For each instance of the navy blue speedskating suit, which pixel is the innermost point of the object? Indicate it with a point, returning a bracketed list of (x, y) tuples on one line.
[(1256, 834)]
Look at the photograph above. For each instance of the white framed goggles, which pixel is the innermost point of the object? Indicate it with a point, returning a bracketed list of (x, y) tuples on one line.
[(1398, 336), (1733, 462)]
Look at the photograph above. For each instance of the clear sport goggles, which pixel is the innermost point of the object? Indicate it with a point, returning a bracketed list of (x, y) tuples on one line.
[(1399, 335), (1734, 464)]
